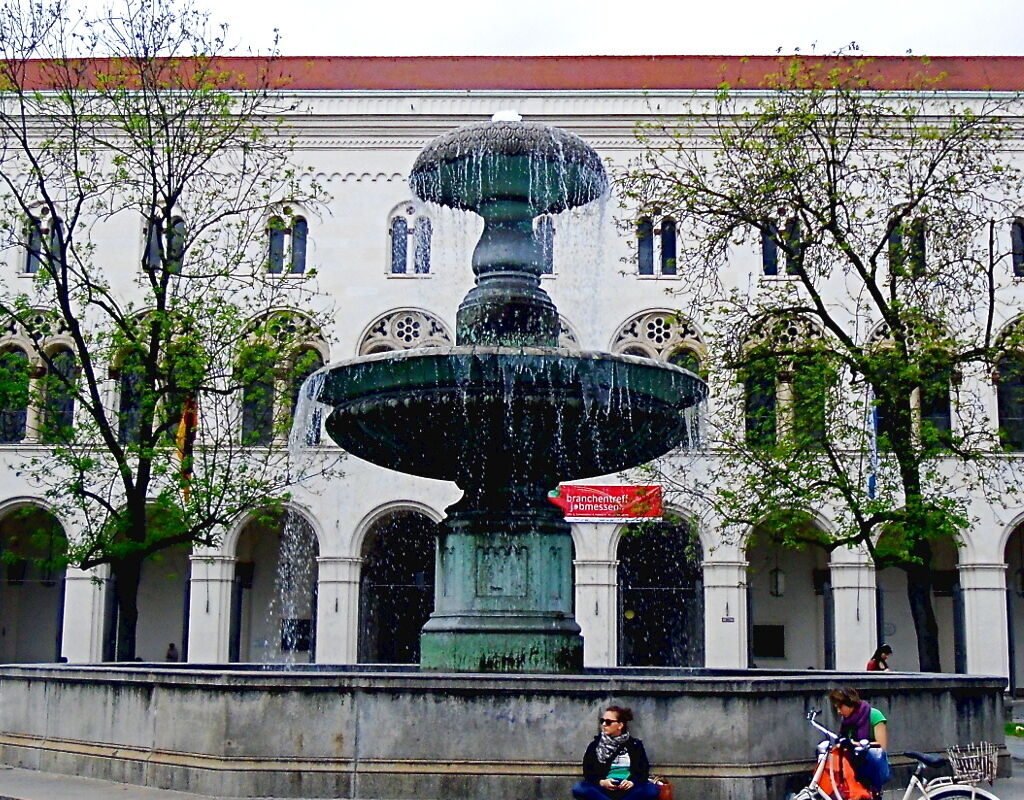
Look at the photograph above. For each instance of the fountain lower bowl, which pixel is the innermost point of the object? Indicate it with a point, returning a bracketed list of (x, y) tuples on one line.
[(478, 415)]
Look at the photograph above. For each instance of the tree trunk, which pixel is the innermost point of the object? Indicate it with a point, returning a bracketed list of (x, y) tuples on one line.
[(128, 574), (919, 594)]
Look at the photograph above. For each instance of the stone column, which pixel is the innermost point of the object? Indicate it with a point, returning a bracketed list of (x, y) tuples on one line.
[(209, 612), (597, 611), (84, 606), (337, 610), (985, 621), (725, 614), (855, 618)]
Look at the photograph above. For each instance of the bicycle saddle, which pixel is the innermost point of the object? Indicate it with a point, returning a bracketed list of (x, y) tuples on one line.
[(926, 759)]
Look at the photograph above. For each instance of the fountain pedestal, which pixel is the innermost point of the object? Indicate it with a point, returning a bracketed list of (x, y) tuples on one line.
[(504, 595)]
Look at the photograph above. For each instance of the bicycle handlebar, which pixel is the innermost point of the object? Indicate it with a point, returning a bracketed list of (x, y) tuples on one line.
[(834, 737)]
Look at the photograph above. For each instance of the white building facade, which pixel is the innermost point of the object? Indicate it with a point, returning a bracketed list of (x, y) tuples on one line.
[(394, 272)]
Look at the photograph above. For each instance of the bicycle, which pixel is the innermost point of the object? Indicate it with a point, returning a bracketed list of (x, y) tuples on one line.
[(970, 766)]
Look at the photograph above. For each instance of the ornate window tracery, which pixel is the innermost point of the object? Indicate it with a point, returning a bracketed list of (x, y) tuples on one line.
[(403, 330)]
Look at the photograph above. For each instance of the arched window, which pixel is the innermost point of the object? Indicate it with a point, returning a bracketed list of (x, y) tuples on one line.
[(275, 245), (657, 245), (793, 252), (14, 391), (770, 249), (284, 348), (544, 231), (399, 245), (1010, 397), (59, 397), (1017, 247), (422, 232), (279, 234), (668, 246), (176, 246), (256, 375), (685, 358), (645, 246), (662, 335), (789, 241), (813, 377), (33, 245), (759, 401), (300, 233), (688, 359), (410, 258), (131, 382), (42, 242), (907, 248), (936, 409), (155, 246)]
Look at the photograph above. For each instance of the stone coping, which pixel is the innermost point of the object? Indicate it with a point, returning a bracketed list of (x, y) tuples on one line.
[(650, 680)]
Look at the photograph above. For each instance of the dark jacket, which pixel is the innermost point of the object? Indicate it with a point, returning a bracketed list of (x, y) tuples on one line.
[(639, 767)]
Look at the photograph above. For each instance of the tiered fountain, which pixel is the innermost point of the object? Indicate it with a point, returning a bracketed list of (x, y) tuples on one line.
[(506, 414)]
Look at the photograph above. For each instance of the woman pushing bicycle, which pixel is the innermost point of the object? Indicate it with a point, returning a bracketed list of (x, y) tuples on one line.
[(862, 723), (859, 719)]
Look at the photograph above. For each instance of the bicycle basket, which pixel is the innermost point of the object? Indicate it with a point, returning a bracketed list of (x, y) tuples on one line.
[(974, 762)]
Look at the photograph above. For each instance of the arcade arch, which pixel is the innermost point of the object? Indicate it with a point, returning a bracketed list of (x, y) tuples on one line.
[(33, 545), (896, 625), (661, 595), (789, 596), (396, 587), (273, 597)]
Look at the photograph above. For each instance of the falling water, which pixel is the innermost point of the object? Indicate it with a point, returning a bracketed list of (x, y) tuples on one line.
[(291, 614), (304, 435)]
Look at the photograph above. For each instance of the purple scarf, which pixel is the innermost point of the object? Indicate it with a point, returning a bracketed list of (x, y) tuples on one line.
[(858, 724)]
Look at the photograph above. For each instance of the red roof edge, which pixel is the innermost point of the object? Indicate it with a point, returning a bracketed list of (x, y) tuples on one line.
[(586, 73)]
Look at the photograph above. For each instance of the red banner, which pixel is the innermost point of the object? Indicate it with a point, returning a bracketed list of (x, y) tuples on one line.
[(599, 503)]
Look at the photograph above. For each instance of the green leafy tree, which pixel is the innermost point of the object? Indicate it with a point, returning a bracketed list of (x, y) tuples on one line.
[(884, 217), (130, 123)]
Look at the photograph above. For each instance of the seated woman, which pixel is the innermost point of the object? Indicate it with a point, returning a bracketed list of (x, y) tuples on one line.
[(615, 766), (859, 721)]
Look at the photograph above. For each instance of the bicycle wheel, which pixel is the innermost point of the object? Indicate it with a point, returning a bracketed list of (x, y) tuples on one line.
[(960, 791)]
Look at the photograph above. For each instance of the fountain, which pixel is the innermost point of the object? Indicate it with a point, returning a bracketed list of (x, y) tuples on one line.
[(505, 413)]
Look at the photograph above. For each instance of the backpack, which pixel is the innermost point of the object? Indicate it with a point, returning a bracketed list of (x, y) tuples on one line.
[(840, 774)]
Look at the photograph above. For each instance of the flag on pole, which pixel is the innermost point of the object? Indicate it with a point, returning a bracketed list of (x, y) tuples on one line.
[(186, 439), (871, 418)]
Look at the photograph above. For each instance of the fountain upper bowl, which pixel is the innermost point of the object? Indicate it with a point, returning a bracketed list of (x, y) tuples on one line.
[(548, 168), (489, 415)]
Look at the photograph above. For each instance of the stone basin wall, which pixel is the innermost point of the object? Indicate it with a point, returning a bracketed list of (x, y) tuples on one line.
[(397, 735)]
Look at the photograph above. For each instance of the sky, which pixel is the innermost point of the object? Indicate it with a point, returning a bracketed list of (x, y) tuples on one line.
[(626, 27)]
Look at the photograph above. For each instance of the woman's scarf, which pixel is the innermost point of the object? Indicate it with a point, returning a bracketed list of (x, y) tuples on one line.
[(858, 724), (609, 746)]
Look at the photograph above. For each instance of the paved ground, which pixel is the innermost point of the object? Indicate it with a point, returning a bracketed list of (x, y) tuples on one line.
[(22, 784)]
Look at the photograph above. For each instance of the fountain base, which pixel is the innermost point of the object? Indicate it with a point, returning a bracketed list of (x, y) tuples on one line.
[(367, 734), (504, 595), (501, 650)]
